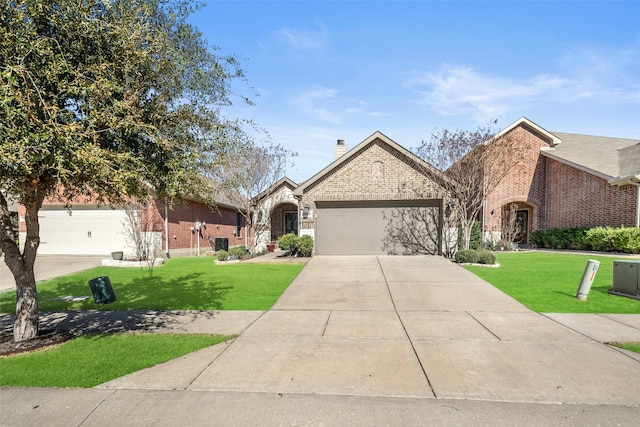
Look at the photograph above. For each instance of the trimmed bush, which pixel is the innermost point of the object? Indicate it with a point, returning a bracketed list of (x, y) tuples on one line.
[(467, 256), (288, 242), (238, 251), (472, 256), (304, 245), (605, 239), (559, 238), (223, 255), (486, 257)]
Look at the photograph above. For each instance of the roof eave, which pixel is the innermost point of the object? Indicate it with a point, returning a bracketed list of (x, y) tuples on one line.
[(554, 140), (625, 180), (353, 152), (549, 153)]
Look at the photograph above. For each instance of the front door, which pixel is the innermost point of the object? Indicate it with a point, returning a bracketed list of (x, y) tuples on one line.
[(290, 222), (522, 223)]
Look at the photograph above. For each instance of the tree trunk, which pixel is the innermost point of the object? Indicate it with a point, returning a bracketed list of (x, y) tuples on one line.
[(25, 326), (466, 234), (21, 265)]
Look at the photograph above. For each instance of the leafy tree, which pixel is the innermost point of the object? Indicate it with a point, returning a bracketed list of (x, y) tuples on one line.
[(474, 163), (102, 100)]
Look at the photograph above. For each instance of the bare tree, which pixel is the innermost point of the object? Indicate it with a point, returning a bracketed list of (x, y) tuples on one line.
[(511, 228), (249, 170), (138, 232), (474, 163)]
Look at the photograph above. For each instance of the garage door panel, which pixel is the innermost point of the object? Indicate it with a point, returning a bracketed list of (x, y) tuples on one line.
[(88, 232), (375, 228)]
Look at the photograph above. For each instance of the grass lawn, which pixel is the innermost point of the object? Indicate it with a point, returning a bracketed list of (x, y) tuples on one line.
[(547, 282), (193, 283), (90, 360), (629, 346)]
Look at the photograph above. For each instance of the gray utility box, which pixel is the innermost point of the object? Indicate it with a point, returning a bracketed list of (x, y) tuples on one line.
[(626, 278)]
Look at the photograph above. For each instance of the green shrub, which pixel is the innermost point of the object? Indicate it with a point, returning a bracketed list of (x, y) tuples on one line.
[(467, 256), (472, 256), (238, 251), (304, 245), (623, 239), (475, 240), (604, 239), (288, 242), (223, 255), (559, 238), (486, 257)]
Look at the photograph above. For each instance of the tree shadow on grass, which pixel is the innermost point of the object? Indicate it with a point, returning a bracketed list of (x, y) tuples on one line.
[(186, 292), (146, 303)]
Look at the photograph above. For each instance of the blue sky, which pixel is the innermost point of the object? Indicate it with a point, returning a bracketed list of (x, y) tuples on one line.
[(328, 70)]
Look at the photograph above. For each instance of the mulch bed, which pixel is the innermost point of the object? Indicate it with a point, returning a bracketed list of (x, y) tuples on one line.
[(45, 338)]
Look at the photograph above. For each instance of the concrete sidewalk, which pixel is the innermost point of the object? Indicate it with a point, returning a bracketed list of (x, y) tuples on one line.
[(400, 338)]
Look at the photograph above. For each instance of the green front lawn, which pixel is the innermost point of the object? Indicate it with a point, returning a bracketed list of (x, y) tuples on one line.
[(90, 360), (547, 282), (194, 283)]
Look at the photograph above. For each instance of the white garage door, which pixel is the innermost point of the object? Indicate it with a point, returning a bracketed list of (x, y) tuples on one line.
[(377, 228), (84, 232)]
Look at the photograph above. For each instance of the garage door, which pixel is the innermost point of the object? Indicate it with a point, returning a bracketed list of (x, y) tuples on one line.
[(377, 228), (84, 232)]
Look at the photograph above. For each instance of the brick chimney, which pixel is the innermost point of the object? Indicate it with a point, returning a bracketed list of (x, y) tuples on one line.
[(339, 149)]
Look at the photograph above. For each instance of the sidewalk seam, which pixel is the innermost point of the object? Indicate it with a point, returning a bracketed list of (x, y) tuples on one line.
[(413, 348), (85, 419)]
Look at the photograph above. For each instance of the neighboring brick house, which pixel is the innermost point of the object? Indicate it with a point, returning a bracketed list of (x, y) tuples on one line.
[(89, 229), (369, 200), (566, 180)]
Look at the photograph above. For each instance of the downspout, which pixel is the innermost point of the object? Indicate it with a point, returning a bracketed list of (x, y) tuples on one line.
[(637, 200)]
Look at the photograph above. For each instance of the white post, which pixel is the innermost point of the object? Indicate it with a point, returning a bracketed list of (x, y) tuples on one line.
[(587, 279)]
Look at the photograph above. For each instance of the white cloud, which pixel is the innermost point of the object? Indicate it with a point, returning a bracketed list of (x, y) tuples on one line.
[(303, 40), (310, 102), (584, 75), (326, 105)]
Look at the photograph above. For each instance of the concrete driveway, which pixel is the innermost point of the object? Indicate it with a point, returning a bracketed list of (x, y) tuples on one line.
[(404, 327), (48, 266)]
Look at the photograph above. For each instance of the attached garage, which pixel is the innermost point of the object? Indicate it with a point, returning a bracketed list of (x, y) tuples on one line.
[(376, 199), (395, 227), (81, 232)]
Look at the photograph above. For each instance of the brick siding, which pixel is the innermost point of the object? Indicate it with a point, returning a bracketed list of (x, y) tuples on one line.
[(580, 199), (220, 223), (555, 194), (376, 172), (524, 183)]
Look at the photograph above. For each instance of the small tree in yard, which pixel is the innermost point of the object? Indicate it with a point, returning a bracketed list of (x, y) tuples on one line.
[(102, 100), (248, 170), (138, 218), (511, 229), (474, 163)]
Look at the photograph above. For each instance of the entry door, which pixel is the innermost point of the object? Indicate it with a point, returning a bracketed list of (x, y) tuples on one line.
[(522, 221), (290, 222)]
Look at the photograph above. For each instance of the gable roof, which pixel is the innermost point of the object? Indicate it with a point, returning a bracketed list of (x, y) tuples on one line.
[(355, 151), (609, 158), (285, 181), (615, 159), (551, 139)]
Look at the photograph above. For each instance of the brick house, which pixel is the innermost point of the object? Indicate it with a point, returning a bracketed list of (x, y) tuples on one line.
[(377, 198), (89, 229), (566, 180), (276, 213)]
